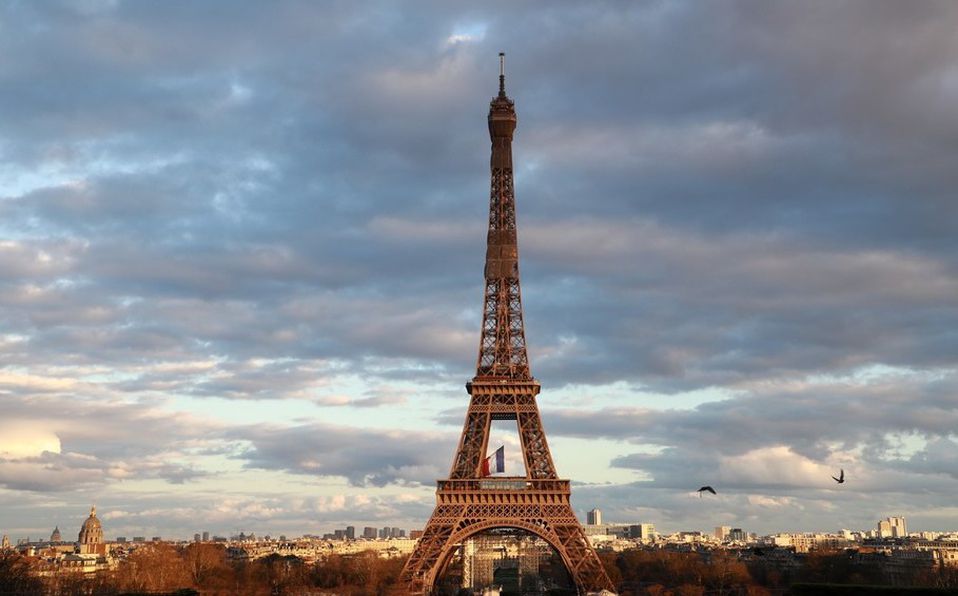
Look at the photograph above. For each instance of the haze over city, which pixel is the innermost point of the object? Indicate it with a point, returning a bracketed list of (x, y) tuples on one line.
[(241, 259)]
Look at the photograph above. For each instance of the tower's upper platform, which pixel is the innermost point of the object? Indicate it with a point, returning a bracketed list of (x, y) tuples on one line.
[(502, 111)]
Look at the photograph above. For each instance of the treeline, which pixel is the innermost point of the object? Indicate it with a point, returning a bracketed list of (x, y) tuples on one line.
[(204, 569), (759, 573), (663, 573)]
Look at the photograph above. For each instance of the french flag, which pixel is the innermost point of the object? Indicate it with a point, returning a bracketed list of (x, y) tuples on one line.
[(495, 463)]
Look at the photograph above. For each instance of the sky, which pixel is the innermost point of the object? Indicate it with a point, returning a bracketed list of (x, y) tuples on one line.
[(241, 256)]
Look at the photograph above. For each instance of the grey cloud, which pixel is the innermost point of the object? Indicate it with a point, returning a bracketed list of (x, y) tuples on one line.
[(60, 472), (364, 456), (373, 401), (380, 400), (259, 379), (99, 442), (939, 456), (175, 516), (39, 261), (312, 221), (262, 513), (51, 472), (775, 447), (708, 197), (813, 417), (677, 309)]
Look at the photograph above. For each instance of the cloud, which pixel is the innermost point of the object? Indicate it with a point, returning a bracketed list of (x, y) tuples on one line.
[(778, 444), (284, 211), (937, 457), (53, 472), (374, 401), (814, 417), (364, 456), (171, 515), (55, 443), (777, 465), (20, 439)]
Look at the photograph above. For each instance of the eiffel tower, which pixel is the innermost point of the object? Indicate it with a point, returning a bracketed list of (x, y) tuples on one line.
[(467, 503)]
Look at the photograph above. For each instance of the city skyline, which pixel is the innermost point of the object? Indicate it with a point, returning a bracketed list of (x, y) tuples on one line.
[(894, 527), (241, 260)]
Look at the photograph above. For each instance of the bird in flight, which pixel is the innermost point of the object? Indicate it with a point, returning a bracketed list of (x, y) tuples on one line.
[(841, 477), (706, 489)]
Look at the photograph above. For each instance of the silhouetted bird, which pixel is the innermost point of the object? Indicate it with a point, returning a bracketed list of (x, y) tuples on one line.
[(706, 489), (841, 477)]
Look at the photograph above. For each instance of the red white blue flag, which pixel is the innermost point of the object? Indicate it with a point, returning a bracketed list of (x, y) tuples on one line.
[(495, 463)]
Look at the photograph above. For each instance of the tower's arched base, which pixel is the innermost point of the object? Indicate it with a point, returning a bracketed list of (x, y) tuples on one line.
[(465, 509), (517, 562)]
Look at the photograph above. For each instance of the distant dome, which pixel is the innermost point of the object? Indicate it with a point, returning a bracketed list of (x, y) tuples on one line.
[(91, 532), (55, 537)]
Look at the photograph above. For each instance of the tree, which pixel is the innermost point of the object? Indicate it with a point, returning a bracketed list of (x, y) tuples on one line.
[(283, 574), (153, 568), (16, 576), (360, 574), (203, 560), (608, 560)]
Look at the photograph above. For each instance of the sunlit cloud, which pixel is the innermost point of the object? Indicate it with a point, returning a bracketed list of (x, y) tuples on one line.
[(22, 439)]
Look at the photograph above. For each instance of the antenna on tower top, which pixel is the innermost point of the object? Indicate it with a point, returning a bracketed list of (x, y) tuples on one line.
[(502, 74)]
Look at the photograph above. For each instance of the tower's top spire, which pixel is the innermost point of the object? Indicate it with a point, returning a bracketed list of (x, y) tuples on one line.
[(502, 74), (502, 348), (502, 116)]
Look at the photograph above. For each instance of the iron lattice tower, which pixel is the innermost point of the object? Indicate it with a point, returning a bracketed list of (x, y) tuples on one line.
[(503, 389)]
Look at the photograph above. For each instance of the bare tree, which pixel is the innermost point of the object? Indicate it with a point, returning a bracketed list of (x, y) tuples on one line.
[(16, 576)]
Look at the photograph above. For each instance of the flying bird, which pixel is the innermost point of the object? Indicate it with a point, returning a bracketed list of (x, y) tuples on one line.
[(706, 489), (841, 477)]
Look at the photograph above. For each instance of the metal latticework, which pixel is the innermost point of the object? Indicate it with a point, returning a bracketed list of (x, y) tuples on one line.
[(502, 348), (503, 389)]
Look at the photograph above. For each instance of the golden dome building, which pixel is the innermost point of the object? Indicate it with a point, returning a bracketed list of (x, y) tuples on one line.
[(91, 535)]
